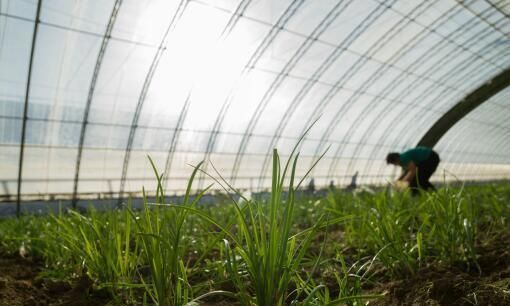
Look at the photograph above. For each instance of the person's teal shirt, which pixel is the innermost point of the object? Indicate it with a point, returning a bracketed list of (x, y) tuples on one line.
[(416, 155)]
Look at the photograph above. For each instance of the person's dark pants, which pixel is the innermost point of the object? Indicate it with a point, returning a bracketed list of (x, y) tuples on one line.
[(423, 173)]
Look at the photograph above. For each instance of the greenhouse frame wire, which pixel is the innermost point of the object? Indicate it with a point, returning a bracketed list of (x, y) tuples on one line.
[(461, 46), (25, 107), (97, 67)]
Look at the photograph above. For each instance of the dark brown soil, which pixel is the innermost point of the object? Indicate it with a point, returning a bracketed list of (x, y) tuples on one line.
[(434, 285), (20, 285), (442, 285)]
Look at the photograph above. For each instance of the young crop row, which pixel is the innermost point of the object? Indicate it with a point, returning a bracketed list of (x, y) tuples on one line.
[(280, 251)]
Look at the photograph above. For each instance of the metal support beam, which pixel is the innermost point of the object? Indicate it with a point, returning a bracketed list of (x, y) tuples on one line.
[(276, 29), (470, 25), (97, 68), (316, 76), (143, 94), (234, 19), (80, 31), (405, 138), (25, 108), (433, 51), (498, 7), (175, 139), (464, 107), (281, 77), (380, 73)]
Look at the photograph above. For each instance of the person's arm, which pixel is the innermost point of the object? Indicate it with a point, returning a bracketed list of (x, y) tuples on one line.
[(411, 172), (404, 172)]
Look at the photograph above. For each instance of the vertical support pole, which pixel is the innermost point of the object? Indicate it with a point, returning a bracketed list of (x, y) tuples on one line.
[(25, 109)]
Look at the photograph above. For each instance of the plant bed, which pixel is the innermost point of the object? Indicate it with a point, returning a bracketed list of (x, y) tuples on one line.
[(384, 248), (447, 285), (22, 284)]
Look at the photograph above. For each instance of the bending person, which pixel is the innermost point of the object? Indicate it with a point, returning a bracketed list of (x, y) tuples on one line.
[(418, 165)]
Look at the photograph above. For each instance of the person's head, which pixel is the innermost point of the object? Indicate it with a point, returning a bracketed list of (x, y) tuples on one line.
[(393, 158)]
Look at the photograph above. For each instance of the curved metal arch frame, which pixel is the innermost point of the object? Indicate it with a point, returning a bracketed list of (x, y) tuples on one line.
[(461, 137), (80, 31), (472, 168), (462, 144), (299, 98), (133, 126), (268, 39), (464, 107), (93, 82), (333, 166), (319, 72), (435, 49), (25, 107), (392, 85), (406, 48), (420, 120), (459, 148), (491, 24), (143, 95), (211, 142), (392, 125), (458, 143), (281, 76), (353, 98), (469, 76), (362, 60), (253, 59), (408, 142), (175, 137), (262, 47), (405, 130), (382, 41), (266, 42), (394, 30), (497, 8)]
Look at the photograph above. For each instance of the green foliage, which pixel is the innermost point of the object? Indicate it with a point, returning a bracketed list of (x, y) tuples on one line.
[(264, 255), (405, 232), (101, 243), (292, 249), (160, 235)]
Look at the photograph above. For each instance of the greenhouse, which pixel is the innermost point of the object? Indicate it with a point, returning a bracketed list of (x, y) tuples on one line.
[(254, 152)]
